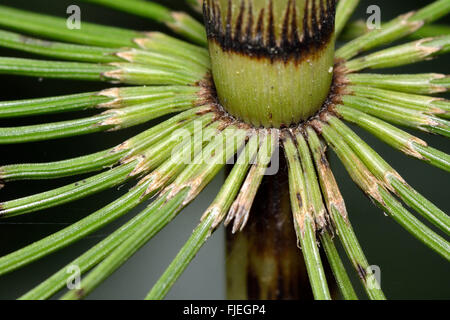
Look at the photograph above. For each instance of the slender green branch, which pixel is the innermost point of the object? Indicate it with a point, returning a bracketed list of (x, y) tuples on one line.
[(39, 106), (177, 21), (339, 272), (358, 28), (106, 158), (88, 259), (210, 219), (53, 69), (182, 260), (75, 231), (177, 196), (56, 28), (304, 222), (395, 29), (424, 83), (384, 172), (68, 193), (396, 138), (54, 130), (162, 43), (376, 191), (426, 104), (57, 50), (344, 11), (404, 54), (240, 209), (314, 195), (397, 114)]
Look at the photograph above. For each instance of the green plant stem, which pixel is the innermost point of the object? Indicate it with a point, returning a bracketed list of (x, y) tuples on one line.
[(178, 195), (375, 190), (74, 232), (397, 114), (39, 106), (182, 260), (426, 104), (167, 45), (304, 222), (384, 172), (339, 272), (105, 158), (177, 21), (68, 193), (57, 50), (358, 28), (395, 29), (344, 10), (404, 54), (56, 28), (396, 138), (54, 130), (210, 220), (425, 83), (53, 69)]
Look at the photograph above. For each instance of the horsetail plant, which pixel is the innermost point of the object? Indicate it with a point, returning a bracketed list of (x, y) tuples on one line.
[(258, 84)]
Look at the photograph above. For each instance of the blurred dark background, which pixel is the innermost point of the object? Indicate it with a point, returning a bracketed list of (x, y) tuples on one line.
[(409, 270)]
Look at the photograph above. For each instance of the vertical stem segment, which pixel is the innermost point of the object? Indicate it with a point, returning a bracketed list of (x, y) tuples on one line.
[(272, 61)]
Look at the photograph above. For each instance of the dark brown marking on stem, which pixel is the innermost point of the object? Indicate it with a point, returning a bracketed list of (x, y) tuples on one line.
[(262, 42), (361, 272)]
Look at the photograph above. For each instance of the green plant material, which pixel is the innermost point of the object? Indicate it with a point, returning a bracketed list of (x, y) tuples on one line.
[(172, 62), (393, 181), (54, 69), (210, 220), (313, 189), (143, 112), (242, 86), (314, 195), (376, 191), (147, 75), (196, 5), (158, 217), (75, 231), (169, 46), (201, 233), (337, 267), (240, 209), (398, 114), (396, 138), (187, 185), (426, 104), (54, 130), (153, 183), (358, 28), (113, 119), (395, 29), (89, 259), (71, 192), (57, 50), (404, 54), (39, 106), (108, 98), (338, 214), (304, 221), (108, 157), (177, 21), (56, 28), (344, 10), (424, 83)]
